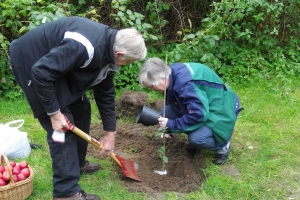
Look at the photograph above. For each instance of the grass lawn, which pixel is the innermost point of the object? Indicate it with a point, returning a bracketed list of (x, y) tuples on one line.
[(264, 150)]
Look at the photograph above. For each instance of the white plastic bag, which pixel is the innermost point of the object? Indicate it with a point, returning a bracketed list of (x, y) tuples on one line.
[(13, 142)]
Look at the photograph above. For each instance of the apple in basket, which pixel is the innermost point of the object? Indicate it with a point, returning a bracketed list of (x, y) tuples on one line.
[(5, 175), (26, 172), (2, 182), (23, 164), (12, 164), (20, 171), (16, 171), (15, 177), (21, 177)]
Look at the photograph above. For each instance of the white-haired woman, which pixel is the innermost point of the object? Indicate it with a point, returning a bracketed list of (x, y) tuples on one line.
[(198, 104)]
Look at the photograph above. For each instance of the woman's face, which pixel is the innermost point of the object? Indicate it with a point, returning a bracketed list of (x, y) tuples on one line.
[(160, 87)]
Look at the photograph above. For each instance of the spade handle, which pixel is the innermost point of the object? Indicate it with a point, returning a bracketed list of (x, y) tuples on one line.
[(94, 142)]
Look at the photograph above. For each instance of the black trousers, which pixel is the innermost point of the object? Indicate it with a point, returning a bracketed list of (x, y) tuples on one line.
[(68, 157)]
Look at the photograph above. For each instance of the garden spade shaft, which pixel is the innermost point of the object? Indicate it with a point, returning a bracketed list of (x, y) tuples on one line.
[(128, 167)]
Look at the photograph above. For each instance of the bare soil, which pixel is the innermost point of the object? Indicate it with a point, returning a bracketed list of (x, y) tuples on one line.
[(139, 143)]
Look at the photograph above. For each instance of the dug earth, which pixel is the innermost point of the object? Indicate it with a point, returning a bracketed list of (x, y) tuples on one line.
[(140, 144)]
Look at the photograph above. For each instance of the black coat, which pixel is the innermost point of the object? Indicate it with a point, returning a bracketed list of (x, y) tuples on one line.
[(57, 62)]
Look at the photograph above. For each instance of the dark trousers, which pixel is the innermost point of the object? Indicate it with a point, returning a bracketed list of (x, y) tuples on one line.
[(68, 157)]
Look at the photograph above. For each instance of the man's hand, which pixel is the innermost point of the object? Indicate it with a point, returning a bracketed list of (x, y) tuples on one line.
[(162, 122), (58, 121), (108, 143)]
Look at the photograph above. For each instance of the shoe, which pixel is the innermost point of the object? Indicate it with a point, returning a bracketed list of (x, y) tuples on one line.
[(219, 159), (90, 168), (191, 150), (81, 195)]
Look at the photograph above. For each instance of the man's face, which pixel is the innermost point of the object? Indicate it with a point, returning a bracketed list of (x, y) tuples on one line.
[(123, 62), (120, 59)]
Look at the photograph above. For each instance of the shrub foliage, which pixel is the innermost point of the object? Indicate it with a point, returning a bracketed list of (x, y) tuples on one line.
[(241, 40)]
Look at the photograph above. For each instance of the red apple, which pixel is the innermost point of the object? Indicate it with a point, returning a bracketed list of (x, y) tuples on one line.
[(0, 175), (23, 164), (2, 169), (21, 177), (15, 177), (17, 167), (16, 171), (2, 182), (12, 164), (26, 172), (5, 176)]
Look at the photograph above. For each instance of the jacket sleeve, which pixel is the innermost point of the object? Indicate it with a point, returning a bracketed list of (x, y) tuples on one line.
[(195, 105), (104, 93), (69, 54)]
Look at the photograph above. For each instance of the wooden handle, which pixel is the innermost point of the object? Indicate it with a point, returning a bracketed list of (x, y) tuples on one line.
[(4, 160), (94, 142)]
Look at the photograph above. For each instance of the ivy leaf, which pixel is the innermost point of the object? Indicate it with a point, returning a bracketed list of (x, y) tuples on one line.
[(138, 21), (23, 12), (8, 23), (129, 12), (216, 37), (138, 15), (204, 58), (199, 33), (177, 56), (211, 42), (93, 11), (146, 25), (120, 13), (205, 20), (191, 36), (122, 8), (153, 37), (163, 22)]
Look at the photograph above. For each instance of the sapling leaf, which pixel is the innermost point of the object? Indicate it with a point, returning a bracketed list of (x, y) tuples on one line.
[(165, 159), (161, 149)]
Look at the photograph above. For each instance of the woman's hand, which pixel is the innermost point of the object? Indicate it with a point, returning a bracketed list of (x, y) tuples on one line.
[(162, 122)]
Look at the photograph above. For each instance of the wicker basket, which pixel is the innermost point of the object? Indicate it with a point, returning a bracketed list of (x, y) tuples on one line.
[(16, 190)]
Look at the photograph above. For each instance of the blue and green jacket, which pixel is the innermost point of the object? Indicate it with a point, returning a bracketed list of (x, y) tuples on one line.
[(202, 98)]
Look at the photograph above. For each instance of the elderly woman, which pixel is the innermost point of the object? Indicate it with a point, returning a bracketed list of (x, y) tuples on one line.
[(198, 104)]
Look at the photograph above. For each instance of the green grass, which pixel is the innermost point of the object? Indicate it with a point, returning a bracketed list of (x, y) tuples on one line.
[(265, 148)]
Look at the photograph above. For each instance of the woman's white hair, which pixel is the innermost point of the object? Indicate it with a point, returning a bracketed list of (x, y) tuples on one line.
[(132, 43), (152, 71)]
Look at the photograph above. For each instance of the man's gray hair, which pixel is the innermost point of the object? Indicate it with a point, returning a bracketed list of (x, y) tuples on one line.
[(132, 43), (152, 71)]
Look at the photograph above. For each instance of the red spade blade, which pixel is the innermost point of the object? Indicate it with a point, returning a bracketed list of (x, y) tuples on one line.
[(129, 168)]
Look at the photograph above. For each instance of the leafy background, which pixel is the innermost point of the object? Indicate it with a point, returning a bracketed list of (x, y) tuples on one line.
[(253, 45), (243, 41)]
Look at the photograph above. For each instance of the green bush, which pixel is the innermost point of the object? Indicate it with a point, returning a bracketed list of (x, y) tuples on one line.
[(242, 41)]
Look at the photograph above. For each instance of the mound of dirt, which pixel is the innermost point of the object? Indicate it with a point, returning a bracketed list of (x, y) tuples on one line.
[(140, 144)]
